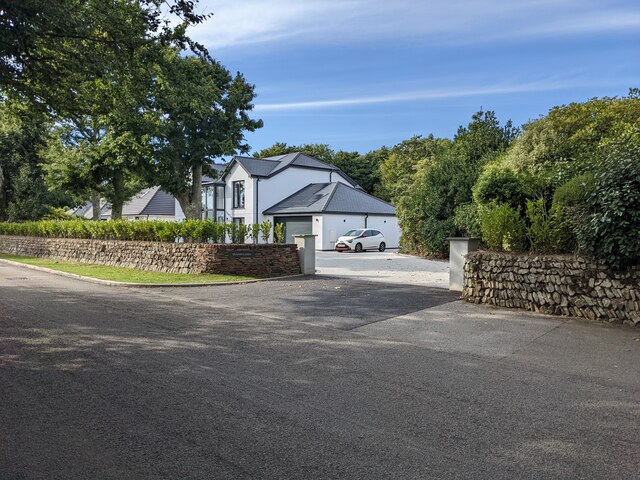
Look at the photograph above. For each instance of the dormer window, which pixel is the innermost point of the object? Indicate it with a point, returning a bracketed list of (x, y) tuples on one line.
[(238, 194)]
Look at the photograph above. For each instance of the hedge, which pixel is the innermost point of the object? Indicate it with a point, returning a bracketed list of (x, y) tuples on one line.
[(147, 230)]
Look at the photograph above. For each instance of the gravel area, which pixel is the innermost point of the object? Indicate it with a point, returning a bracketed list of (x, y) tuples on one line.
[(388, 267)]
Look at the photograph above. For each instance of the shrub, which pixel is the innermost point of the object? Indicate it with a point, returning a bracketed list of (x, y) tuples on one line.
[(467, 221), (573, 193), (548, 230), (609, 229), (237, 232), (502, 228), (278, 233), (158, 231), (255, 232), (500, 184), (435, 233), (265, 230)]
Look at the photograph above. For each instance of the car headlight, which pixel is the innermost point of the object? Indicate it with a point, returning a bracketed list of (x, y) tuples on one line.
[(350, 240)]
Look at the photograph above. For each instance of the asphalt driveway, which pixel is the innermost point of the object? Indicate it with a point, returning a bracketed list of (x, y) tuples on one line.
[(386, 267), (305, 378)]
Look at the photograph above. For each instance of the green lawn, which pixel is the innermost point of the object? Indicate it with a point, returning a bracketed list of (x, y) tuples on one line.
[(122, 274)]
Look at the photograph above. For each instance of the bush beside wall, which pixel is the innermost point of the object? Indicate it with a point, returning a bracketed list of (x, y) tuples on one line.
[(263, 260), (553, 284)]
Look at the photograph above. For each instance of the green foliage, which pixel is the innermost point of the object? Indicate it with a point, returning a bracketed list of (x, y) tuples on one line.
[(255, 232), (321, 151), (427, 191), (278, 233), (202, 112), (500, 184), (265, 230), (467, 221), (502, 228), (51, 47), (573, 193), (565, 143), (401, 164), (150, 230), (237, 232), (23, 193), (608, 230), (57, 213), (548, 230)]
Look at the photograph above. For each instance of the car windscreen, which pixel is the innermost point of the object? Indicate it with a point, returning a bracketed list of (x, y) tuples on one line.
[(353, 233)]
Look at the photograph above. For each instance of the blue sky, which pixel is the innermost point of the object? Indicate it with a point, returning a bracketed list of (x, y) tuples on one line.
[(359, 74)]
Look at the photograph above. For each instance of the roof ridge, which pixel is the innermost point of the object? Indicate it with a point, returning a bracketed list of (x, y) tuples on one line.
[(293, 194), (333, 192)]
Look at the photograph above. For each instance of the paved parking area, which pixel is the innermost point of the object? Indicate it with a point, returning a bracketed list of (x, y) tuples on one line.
[(387, 267)]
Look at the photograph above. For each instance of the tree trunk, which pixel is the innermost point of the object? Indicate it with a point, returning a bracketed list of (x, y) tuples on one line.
[(191, 203), (95, 202), (118, 196), (3, 197)]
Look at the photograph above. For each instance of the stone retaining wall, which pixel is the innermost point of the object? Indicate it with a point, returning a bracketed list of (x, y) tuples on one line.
[(266, 260), (553, 284)]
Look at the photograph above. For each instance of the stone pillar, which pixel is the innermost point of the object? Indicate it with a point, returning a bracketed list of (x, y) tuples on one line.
[(458, 248), (307, 252)]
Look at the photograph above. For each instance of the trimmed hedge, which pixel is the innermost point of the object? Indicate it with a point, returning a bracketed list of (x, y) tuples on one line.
[(148, 230)]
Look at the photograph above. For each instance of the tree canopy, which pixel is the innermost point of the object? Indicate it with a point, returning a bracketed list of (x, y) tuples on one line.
[(202, 112)]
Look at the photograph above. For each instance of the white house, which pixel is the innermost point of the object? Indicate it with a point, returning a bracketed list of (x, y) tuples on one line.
[(306, 195)]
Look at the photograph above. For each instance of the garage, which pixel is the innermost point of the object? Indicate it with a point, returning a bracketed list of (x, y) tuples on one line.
[(295, 225), (329, 210)]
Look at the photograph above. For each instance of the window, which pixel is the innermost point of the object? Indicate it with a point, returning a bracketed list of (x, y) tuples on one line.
[(238, 220), (238, 194), (220, 204), (213, 203)]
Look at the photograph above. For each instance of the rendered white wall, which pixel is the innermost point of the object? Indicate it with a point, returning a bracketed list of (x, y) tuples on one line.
[(238, 173), (179, 213), (334, 225), (318, 222), (389, 227)]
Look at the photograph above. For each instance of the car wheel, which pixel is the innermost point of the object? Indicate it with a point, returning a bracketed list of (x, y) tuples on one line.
[(382, 247), (358, 247)]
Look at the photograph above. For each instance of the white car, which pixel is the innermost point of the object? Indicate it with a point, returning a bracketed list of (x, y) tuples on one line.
[(361, 239)]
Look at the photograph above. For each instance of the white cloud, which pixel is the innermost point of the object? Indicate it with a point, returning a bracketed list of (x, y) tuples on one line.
[(421, 95), (453, 21)]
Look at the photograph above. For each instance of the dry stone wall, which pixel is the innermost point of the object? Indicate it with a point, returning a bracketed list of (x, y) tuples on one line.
[(553, 284), (266, 260)]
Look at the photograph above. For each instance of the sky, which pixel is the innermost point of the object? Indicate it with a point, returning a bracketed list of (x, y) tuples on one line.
[(360, 74)]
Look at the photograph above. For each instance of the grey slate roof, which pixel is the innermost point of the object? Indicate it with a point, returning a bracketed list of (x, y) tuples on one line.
[(257, 167), (150, 201), (267, 167), (335, 197)]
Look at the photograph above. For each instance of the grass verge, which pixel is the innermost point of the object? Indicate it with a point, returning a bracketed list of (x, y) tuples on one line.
[(123, 274)]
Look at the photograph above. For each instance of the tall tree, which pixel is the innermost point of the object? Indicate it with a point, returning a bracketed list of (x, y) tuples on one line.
[(427, 192), (92, 159), (23, 193), (203, 112), (321, 151), (47, 47)]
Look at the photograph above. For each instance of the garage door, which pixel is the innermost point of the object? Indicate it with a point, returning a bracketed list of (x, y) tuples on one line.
[(295, 226)]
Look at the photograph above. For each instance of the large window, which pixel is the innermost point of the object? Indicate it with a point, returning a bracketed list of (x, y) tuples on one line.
[(213, 203), (238, 194), (220, 204)]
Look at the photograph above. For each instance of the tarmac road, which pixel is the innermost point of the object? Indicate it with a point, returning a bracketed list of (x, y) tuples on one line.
[(305, 378)]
